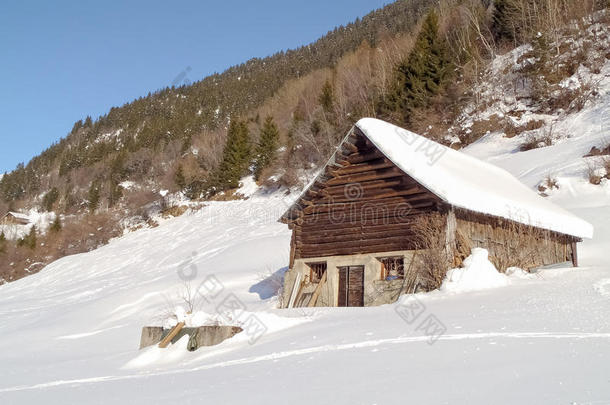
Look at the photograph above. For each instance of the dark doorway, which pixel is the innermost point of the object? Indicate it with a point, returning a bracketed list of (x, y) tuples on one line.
[(351, 286)]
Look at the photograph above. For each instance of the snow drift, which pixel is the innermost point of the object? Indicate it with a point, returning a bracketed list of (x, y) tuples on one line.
[(476, 273)]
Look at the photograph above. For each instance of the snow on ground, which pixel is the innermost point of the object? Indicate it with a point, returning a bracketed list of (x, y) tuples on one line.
[(477, 273), (70, 333)]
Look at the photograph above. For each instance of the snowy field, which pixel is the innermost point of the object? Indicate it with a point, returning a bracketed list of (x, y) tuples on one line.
[(70, 333)]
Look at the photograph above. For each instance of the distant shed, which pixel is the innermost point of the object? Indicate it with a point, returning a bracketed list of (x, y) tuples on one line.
[(353, 240), (14, 218)]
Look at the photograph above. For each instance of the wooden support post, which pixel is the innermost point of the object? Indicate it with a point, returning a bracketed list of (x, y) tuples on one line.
[(318, 290), (295, 290), (574, 254), (172, 333), (450, 231)]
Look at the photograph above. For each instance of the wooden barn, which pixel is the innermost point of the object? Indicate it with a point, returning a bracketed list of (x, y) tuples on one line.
[(366, 229), (14, 218)]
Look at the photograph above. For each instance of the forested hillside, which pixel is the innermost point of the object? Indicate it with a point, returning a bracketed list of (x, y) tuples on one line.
[(413, 62)]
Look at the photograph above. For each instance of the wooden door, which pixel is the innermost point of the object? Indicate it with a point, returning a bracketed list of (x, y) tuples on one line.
[(351, 286)]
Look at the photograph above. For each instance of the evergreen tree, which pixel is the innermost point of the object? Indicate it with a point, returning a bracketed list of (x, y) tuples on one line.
[(116, 192), (56, 225), (69, 198), (505, 16), (49, 199), (179, 178), (77, 125), (94, 196), (266, 148), (2, 243), (423, 74), (235, 157), (29, 240), (327, 97)]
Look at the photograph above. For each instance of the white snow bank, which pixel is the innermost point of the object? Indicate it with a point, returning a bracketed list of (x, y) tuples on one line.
[(247, 186), (477, 273), (272, 322), (467, 182)]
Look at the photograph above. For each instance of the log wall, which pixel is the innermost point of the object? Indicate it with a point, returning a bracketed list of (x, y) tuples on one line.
[(362, 204)]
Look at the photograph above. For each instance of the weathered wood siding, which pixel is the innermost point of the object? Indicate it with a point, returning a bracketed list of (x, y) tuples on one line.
[(363, 204), (513, 244)]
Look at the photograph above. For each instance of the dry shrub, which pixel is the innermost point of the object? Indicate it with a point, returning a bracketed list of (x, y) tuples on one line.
[(531, 142), (595, 151), (512, 130), (538, 141), (549, 183), (434, 257), (174, 211), (517, 245), (480, 128), (290, 178)]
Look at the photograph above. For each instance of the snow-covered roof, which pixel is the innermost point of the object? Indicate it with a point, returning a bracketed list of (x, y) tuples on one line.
[(18, 215), (467, 182)]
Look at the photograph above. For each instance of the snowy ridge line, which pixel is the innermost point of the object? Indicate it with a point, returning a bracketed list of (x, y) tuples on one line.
[(310, 350)]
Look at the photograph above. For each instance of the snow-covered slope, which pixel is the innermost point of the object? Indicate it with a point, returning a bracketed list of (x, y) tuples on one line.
[(70, 333)]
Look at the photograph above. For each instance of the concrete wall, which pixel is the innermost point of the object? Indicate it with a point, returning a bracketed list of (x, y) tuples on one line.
[(200, 336), (376, 291)]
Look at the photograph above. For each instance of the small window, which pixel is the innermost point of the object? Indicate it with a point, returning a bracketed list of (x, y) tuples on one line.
[(316, 271), (392, 267)]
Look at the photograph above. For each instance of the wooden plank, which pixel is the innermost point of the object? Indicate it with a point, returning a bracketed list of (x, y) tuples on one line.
[(321, 239), (358, 247), (355, 293), (295, 289), (450, 230), (364, 157), (365, 176), (342, 288), (574, 254), (362, 167), (318, 290), (367, 185), (172, 334), (341, 229), (292, 249), (374, 195), (297, 299), (365, 208)]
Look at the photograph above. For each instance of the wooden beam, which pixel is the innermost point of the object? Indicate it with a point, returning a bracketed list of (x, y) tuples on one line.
[(368, 185), (365, 176), (318, 290), (362, 167), (172, 334), (364, 157), (574, 254)]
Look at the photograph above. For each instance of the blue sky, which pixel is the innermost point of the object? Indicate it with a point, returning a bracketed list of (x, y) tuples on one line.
[(61, 61)]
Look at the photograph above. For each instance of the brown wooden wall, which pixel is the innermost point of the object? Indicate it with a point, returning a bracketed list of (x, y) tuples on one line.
[(362, 204), (513, 244)]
